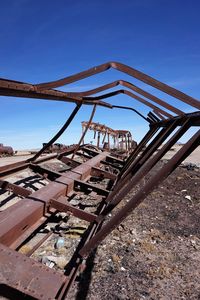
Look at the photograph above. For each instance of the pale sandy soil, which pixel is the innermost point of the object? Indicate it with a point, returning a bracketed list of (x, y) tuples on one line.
[(13, 159), (193, 158)]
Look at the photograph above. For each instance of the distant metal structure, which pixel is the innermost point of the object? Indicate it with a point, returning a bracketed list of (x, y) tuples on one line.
[(19, 274), (122, 139)]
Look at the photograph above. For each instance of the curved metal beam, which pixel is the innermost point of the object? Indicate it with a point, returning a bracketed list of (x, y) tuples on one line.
[(58, 134), (133, 88), (85, 131), (128, 93), (124, 69), (130, 108)]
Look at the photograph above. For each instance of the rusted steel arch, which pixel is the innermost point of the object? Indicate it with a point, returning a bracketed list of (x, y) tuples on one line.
[(128, 93), (124, 69), (133, 88), (13, 88), (130, 108)]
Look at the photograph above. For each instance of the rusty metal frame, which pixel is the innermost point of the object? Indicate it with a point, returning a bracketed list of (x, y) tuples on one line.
[(167, 124)]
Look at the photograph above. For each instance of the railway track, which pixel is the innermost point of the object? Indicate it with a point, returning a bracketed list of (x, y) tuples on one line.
[(71, 197)]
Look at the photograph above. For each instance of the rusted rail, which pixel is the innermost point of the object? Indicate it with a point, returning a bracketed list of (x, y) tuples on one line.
[(83, 175)]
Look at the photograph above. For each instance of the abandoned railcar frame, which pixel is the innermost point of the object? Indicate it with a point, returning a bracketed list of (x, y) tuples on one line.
[(80, 186)]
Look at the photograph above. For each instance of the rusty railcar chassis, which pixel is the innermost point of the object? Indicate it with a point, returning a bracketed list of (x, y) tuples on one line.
[(20, 274)]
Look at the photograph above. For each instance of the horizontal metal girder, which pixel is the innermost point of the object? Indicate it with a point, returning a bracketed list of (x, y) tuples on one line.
[(62, 204)]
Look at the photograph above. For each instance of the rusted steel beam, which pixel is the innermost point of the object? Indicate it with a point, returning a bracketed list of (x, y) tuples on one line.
[(108, 156), (148, 136), (130, 108), (159, 139), (102, 174), (22, 218), (27, 276), (19, 166), (135, 165), (14, 188), (133, 88), (62, 204), (131, 180), (90, 187), (153, 117), (163, 173), (115, 166), (194, 119), (29, 210), (13, 168), (125, 69), (13, 89), (58, 134), (82, 154), (70, 162), (159, 114), (44, 171), (85, 131), (132, 95), (95, 171)]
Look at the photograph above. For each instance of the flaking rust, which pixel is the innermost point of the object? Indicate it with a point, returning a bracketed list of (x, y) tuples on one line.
[(93, 180)]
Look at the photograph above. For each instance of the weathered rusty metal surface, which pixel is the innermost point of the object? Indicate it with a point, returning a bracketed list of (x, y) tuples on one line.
[(84, 167), (27, 276)]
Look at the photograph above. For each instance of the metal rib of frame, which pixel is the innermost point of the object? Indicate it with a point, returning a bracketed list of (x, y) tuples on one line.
[(135, 165), (133, 88), (127, 70), (163, 173), (86, 129), (132, 95), (136, 162), (162, 124), (58, 134), (148, 136), (32, 208), (131, 180), (158, 140)]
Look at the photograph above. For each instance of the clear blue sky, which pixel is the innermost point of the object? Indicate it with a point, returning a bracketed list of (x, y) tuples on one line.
[(46, 40)]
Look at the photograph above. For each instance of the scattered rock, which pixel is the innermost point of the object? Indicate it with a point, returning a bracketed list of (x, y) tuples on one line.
[(74, 202), (60, 242), (188, 198)]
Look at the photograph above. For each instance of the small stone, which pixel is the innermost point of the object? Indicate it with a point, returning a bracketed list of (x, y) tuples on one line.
[(51, 265), (46, 229), (188, 197), (116, 238), (74, 202), (115, 258), (184, 191), (63, 215), (60, 243), (45, 261), (122, 269)]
